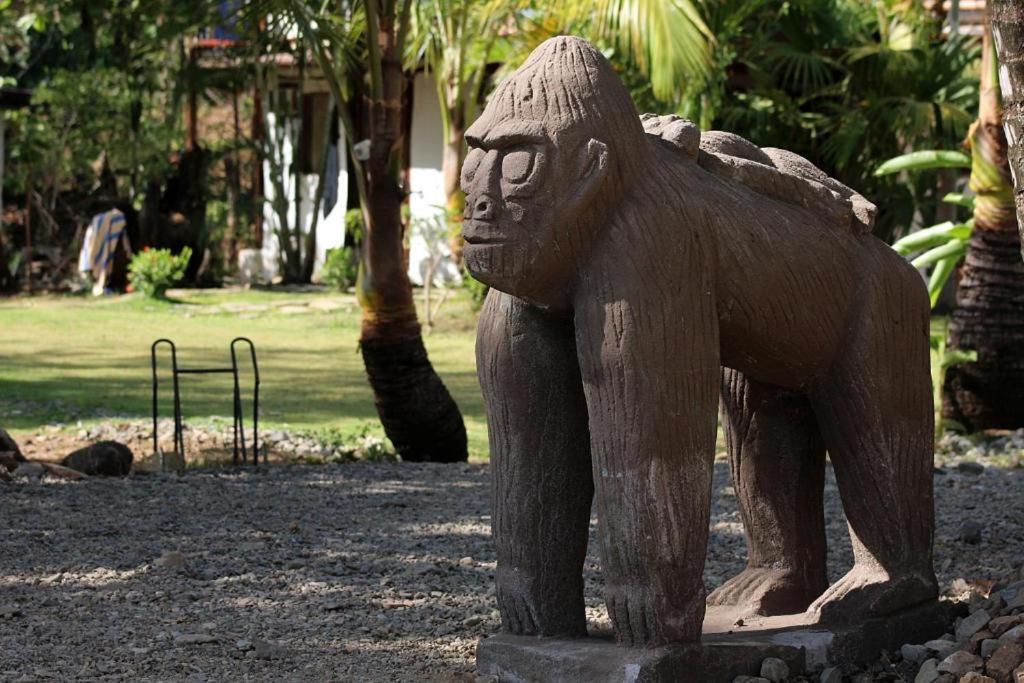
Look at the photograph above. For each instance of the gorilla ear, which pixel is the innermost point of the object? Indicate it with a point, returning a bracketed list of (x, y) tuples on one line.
[(593, 167), (596, 159)]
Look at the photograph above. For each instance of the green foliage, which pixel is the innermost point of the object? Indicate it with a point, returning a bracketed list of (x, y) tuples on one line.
[(925, 159), (340, 268), (361, 442), (477, 290), (154, 271), (354, 224), (76, 118), (844, 83), (107, 76), (668, 43), (944, 358), (940, 246)]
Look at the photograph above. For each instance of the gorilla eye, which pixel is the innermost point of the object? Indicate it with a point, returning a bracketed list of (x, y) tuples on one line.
[(516, 166), (472, 162)]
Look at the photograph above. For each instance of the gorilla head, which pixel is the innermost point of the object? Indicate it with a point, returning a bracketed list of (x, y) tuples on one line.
[(558, 142)]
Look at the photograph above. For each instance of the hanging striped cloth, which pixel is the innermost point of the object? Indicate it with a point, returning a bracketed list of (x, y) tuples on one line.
[(100, 241)]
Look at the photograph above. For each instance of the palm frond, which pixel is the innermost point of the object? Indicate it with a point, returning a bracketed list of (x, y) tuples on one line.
[(667, 40)]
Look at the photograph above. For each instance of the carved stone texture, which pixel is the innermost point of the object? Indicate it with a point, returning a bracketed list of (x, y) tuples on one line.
[(637, 278)]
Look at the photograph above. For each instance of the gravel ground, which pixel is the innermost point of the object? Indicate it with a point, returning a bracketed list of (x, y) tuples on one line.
[(361, 572)]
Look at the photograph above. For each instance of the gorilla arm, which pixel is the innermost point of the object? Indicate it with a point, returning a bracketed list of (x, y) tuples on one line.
[(649, 357), (540, 464)]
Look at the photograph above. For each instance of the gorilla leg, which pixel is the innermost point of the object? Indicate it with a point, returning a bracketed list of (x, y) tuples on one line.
[(777, 460), (540, 464), (875, 412), (651, 384)]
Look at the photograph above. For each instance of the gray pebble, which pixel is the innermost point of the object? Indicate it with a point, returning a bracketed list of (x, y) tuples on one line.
[(970, 531), (775, 670), (831, 675), (928, 672), (971, 625), (914, 653)]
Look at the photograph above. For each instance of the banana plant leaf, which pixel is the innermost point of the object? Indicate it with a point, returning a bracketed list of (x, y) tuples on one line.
[(936, 235), (940, 274), (960, 199), (916, 161), (954, 249)]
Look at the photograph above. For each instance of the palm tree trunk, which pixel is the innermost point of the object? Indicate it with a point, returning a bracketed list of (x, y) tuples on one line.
[(451, 167), (989, 313), (419, 415), (1007, 20)]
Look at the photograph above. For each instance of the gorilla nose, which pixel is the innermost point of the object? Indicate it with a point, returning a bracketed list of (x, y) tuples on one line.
[(483, 208)]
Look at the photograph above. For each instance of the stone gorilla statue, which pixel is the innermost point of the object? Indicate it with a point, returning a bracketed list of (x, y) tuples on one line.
[(639, 276)]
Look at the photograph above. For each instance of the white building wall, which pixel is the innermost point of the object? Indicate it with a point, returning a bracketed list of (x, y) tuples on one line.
[(426, 200), (330, 232), (426, 186)]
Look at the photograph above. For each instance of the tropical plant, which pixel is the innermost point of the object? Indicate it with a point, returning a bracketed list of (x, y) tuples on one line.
[(662, 48), (154, 271), (121, 54), (988, 317), (940, 246), (944, 358), (284, 125), (341, 266), (458, 39), (362, 46), (842, 82), (1006, 17), (432, 229), (354, 225), (846, 83)]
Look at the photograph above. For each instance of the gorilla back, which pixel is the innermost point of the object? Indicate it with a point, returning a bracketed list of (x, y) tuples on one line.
[(628, 267)]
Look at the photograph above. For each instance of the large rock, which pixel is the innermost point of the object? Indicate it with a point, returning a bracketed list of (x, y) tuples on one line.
[(106, 458)]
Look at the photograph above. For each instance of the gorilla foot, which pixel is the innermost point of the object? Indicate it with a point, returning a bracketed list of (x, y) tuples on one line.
[(864, 593), (529, 615), (644, 619), (767, 592)]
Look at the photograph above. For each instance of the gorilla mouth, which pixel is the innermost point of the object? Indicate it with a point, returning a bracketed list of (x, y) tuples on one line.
[(476, 231)]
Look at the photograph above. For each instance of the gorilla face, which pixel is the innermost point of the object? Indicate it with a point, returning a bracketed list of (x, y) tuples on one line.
[(505, 178), (519, 227)]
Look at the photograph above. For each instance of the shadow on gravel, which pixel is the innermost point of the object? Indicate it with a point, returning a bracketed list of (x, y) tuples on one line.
[(367, 571)]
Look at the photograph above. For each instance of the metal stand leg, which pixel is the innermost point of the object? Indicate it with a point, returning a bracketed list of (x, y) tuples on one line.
[(239, 417)]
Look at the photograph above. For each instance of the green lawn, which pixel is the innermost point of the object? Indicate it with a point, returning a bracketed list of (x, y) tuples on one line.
[(91, 354)]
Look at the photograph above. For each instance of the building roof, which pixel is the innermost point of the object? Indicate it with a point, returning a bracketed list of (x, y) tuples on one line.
[(969, 15)]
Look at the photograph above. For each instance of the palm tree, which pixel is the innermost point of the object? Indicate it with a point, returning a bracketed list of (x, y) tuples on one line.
[(457, 39), (1007, 20), (666, 42), (349, 40), (988, 317)]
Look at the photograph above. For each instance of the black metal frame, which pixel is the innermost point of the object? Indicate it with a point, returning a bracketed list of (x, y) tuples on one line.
[(239, 426)]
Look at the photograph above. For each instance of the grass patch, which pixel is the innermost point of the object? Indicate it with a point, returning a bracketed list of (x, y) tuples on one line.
[(62, 355)]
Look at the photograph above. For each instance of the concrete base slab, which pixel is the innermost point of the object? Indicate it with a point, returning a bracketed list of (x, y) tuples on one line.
[(726, 651)]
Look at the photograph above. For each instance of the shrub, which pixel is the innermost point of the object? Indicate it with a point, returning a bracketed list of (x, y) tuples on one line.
[(340, 268), (354, 224), (153, 271)]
